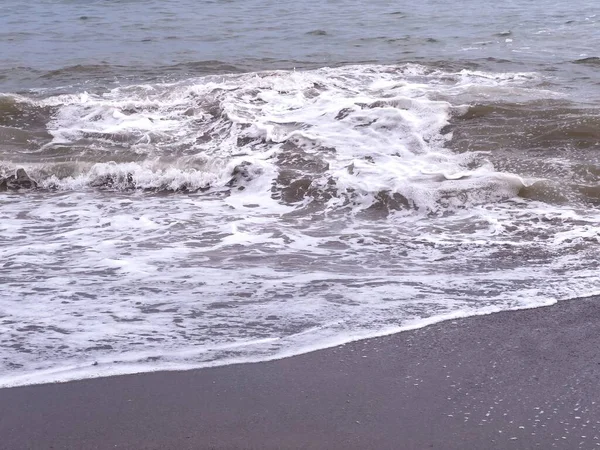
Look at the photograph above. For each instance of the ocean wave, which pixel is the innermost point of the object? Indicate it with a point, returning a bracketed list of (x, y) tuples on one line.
[(591, 60), (348, 136), (249, 217)]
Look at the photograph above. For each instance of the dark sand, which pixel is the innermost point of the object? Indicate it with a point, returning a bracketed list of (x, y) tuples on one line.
[(514, 380)]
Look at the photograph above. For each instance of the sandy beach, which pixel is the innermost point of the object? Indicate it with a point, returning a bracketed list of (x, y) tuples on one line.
[(523, 379)]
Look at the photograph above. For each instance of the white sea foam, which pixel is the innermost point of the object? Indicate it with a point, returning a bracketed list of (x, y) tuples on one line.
[(272, 246), (384, 125)]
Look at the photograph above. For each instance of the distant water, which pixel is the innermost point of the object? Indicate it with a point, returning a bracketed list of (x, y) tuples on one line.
[(235, 181)]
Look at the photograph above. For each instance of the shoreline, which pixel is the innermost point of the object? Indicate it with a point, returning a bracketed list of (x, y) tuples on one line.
[(110, 372), (514, 379)]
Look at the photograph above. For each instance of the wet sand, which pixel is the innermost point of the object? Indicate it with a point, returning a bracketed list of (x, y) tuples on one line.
[(514, 380)]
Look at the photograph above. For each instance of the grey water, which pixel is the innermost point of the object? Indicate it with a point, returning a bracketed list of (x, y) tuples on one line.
[(232, 181), (52, 42)]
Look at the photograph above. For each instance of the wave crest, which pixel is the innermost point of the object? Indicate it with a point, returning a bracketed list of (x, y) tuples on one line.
[(359, 136)]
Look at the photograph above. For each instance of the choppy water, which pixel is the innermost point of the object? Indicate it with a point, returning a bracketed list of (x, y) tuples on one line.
[(234, 181)]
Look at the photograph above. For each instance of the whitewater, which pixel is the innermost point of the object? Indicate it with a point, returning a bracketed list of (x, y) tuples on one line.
[(245, 217)]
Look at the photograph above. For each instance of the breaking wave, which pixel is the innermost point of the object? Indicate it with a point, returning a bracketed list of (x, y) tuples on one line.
[(344, 136)]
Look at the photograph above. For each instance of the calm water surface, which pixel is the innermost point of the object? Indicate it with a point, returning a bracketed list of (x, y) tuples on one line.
[(145, 38)]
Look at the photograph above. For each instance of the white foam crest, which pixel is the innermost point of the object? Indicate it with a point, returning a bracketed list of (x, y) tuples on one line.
[(111, 115), (148, 175), (384, 126)]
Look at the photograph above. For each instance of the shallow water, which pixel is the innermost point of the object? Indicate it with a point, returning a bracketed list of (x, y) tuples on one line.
[(238, 181)]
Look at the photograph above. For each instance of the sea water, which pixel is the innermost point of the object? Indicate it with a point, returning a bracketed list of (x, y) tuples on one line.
[(236, 181)]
